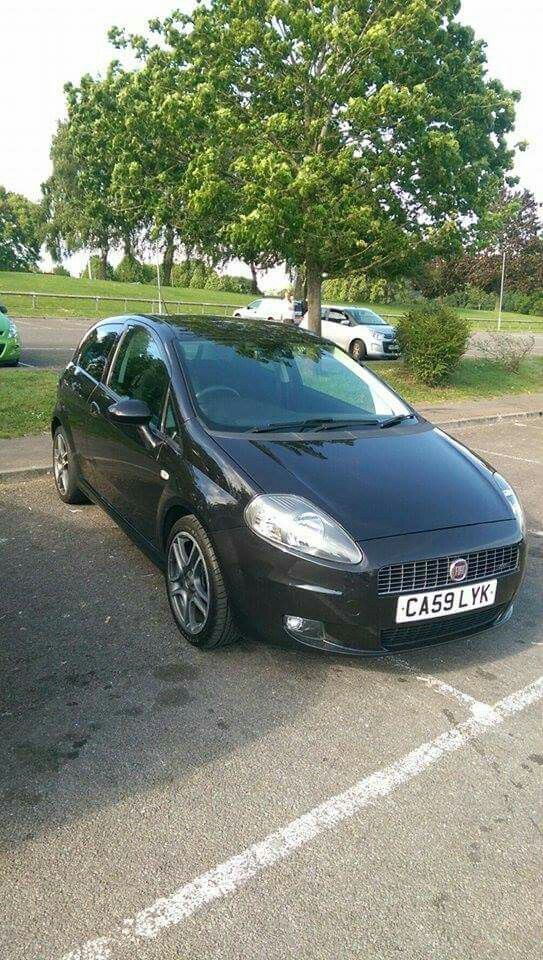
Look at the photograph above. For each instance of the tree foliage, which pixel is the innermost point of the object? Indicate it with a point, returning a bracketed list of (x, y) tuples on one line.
[(343, 135), (21, 231), (83, 208)]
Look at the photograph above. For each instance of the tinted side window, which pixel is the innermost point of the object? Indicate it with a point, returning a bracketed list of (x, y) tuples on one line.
[(139, 372), (96, 349), (170, 426)]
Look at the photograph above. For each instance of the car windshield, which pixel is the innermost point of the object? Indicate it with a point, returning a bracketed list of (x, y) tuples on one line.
[(360, 315), (244, 378)]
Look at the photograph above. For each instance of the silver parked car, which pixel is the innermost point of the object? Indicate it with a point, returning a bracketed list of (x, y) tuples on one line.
[(363, 333)]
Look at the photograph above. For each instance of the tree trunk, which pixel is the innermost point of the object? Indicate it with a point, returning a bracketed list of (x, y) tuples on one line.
[(167, 262), (314, 284), (299, 284), (103, 263), (254, 275), (128, 249)]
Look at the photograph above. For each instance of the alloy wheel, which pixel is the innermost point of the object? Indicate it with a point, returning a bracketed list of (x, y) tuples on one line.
[(60, 464), (188, 583)]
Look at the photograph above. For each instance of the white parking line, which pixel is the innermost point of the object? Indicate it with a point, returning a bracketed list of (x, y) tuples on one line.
[(234, 873), (477, 707), (509, 456)]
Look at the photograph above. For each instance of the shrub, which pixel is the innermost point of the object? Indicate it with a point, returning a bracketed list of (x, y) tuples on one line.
[(96, 268), (433, 339), (182, 273), (60, 271), (199, 275), (507, 350), (130, 270), (471, 298)]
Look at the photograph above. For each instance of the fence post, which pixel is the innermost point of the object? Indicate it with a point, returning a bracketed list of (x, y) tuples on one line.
[(96, 304), (126, 306), (33, 301)]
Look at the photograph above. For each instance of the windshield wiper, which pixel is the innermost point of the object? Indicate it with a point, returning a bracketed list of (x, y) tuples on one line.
[(392, 421), (314, 423)]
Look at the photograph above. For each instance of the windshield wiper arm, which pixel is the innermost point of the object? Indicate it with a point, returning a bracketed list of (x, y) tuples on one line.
[(314, 423), (345, 424), (392, 421)]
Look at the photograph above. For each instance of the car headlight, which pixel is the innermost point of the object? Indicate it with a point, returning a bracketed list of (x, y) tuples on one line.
[(296, 525), (512, 500), (377, 335)]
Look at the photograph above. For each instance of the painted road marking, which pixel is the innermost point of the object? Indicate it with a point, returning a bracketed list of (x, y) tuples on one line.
[(234, 873), (476, 707), (495, 453)]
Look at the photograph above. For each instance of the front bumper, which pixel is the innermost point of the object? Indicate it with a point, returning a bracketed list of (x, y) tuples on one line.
[(10, 349), (385, 350), (266, 584)]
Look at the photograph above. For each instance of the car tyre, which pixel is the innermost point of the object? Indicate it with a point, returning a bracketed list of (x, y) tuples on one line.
[(65, 470), (196, 590), (358, 350)]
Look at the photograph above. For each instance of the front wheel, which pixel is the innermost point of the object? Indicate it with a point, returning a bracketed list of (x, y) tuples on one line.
[(65, 470), (358, 350), (196, 589)]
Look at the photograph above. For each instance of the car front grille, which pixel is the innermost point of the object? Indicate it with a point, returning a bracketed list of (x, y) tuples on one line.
[(423, 632), (431, 574)]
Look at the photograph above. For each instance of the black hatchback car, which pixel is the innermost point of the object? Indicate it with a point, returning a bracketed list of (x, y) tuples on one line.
[(283, 487)]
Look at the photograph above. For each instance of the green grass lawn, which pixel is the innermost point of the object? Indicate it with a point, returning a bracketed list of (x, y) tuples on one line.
[(27, 398), (124, 294), (472, 380)]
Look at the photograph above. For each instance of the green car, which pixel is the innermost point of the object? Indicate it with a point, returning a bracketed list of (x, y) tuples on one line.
[(10, 344)]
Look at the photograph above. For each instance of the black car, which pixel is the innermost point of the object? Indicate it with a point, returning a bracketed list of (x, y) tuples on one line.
[(283, 487)]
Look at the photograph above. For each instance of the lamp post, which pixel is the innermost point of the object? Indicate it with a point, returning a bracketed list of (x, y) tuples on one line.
[(501, 292)]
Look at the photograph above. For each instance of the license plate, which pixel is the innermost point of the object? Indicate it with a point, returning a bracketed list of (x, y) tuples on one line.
[(444, 603)]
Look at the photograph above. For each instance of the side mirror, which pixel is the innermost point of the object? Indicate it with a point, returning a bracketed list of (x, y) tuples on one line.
[(345, 323), (127, 411), (3, 309)]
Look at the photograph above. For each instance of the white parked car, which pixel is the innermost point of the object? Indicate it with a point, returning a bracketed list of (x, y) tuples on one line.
[(360, 331), (268, 308)]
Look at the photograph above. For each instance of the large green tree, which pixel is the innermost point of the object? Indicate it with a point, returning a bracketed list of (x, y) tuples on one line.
[(21, 231), (337, 135), (84, 211)]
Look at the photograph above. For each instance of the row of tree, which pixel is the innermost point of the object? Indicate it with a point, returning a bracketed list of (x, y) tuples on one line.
[(339, 137), (332, 135)]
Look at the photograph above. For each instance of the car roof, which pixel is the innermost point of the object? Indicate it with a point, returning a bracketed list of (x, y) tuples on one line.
[(195, 326)]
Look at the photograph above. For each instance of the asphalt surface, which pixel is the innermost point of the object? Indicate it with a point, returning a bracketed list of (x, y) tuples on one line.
[(132, 765), (51, 343)]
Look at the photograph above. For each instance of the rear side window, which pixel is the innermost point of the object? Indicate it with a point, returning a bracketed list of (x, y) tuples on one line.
[(97, 347), (140, 372)]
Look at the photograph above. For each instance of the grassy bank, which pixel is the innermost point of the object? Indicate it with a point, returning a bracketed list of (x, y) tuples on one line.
[(473, 379), (124, 295), (27, 398), (203, 300)]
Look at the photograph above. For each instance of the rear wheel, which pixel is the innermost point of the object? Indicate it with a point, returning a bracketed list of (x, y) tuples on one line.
[(65, 470), (196, 589), (357, 350)]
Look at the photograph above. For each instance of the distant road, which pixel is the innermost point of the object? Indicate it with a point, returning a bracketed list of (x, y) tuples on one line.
[(51, 343)]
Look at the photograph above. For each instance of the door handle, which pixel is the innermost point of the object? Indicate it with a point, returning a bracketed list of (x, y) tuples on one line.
[(94, 408)]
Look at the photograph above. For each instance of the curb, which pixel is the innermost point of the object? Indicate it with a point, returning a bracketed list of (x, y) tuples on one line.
[(24, 473), (490, 419)]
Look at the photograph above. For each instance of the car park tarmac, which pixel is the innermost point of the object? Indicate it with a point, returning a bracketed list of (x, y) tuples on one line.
[(260, 801)]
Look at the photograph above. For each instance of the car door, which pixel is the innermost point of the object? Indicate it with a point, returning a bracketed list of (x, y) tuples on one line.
[(78, 383), (253, 309), (336, 327), (126, 465)]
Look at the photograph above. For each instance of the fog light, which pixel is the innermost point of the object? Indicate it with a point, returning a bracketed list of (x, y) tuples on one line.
[(308, 629)]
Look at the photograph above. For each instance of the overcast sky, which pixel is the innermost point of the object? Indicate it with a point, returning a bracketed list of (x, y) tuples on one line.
[(45, 43)]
